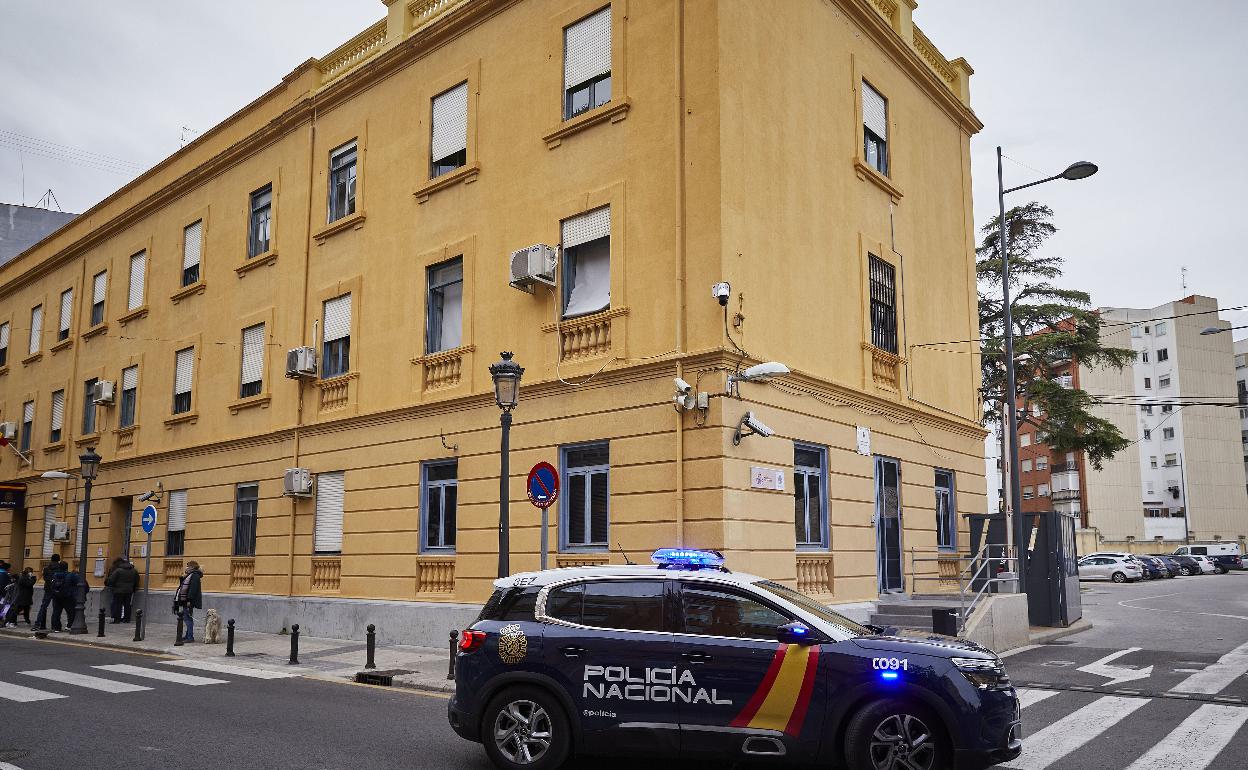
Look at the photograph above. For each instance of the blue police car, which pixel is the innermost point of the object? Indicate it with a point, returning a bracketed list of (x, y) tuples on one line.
[(684, 658)]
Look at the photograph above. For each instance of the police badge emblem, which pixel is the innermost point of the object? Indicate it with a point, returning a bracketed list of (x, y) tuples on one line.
[(512, 644)]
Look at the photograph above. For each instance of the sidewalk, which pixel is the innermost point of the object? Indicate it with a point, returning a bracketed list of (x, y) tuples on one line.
[(422, 668)]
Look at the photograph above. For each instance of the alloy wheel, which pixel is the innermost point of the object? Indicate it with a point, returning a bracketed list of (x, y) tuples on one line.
[(903, 742), (522, 732)]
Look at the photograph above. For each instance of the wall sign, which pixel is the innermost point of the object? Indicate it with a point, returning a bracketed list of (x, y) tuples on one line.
[(864, 441), (766, 478)]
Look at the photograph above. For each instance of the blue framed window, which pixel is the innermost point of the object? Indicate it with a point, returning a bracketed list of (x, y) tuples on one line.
[(946, 511), (440, 495), (246, 510), (810, 495), (585, 510)]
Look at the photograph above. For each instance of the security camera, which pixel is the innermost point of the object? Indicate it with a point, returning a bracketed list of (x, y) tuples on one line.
[(684, 398), (683, 387), (721, 291), (750, 426), (143, 498)]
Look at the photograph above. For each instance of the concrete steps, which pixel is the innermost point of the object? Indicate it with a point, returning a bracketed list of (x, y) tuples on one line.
[(913, 613)]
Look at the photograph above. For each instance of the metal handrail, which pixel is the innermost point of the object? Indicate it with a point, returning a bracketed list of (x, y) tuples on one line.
[(974, 571)]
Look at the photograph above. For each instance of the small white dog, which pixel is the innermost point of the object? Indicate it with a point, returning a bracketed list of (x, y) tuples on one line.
[(212, 627)]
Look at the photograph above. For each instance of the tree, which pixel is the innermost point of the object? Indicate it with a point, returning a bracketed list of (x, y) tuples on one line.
[(1052, 326)]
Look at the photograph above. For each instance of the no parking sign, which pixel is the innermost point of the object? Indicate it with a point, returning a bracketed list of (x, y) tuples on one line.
[(543, 485)]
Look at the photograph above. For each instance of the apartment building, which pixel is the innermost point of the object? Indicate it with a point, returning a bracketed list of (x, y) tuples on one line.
[(371, 212), (1241, 388)]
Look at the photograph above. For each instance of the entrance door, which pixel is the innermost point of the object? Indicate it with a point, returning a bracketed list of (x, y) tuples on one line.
[(120, 513), (888, 525), (17, 540)]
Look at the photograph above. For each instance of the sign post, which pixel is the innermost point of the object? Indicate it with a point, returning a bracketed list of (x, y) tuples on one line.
[(149, 524), (543, 490)]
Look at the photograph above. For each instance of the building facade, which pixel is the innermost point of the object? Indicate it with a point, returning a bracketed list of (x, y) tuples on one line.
[(369, 208), (1241, 388)]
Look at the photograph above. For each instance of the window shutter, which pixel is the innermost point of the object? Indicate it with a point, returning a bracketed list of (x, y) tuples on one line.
[(587, 49), (329, 499), (130, 378), (253, 354), (874, 111), (58, 410), (138, 273), (587, 227), (338, 318), (4, 335), (36, 328), (177, 510), (184, 371), (78, 528), (98, 287), (192, 243), (49, 518), (67, 307), (450, 122), (28, 411)]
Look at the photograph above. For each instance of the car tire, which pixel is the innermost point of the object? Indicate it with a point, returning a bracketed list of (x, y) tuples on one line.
[(1118, 577), (525, 728), (1185, 571), (879, 730)]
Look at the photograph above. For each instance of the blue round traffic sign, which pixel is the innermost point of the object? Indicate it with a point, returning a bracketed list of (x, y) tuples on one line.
[(543, 485), (149, 519)]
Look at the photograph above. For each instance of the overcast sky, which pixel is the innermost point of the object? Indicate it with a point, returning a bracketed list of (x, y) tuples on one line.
[(1151, 91)]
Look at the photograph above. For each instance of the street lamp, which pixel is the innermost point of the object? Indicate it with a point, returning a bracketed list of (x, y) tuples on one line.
[(1080, 170), (506, 375), (90, 468), (1215, 330)]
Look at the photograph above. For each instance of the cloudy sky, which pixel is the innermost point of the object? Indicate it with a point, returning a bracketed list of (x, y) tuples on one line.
[(1149, 90)]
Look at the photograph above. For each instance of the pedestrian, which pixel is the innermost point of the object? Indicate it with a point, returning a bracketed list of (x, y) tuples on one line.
[(8, 600), (41, 620), (5, 577), (123, 580), (188, 598), (63, 587), (25, 596)]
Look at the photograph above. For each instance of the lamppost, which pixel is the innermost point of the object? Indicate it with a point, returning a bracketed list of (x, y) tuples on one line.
[(1215, 330), (506, 375), (1080, 170), (90, 467)]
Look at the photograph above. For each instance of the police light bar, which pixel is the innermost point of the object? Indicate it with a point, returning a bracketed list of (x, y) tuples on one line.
[(687, 558)]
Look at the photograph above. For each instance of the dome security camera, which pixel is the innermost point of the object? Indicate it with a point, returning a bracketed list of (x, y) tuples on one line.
[(721, 292)]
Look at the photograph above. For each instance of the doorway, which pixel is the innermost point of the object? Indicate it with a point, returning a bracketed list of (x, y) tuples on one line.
[(17, 541), (888, 525), (120, 512)]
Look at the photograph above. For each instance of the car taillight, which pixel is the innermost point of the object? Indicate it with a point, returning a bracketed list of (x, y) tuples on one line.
[(471, 640)]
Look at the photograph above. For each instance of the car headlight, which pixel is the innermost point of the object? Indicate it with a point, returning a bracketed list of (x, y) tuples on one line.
[(984, 673)]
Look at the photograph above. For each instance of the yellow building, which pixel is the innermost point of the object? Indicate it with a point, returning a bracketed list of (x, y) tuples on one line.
[(813, 155)]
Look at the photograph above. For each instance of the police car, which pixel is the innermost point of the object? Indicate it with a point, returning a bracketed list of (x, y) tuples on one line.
[(684, 658)]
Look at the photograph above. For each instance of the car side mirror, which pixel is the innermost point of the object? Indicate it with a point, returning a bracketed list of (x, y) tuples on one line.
[(796, 633)]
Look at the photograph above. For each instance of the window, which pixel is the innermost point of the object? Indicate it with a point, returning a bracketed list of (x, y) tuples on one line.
[(1148, 435), (1160, 329), (587, 63), (192, 246), (4, 344), (441, 481), (1152, 461), (342, 175), (28, 425), (1163, 382), (129, 396), (67, 313), (1144, 356), (246, 505), (1042, 490), (36, 329), (336, 359), (624, 605), (1243, 384), (1150, 488), (183, 378), (448, 143), (1135, 332), (82, 512), (330, 491), (1026, 466), (587, 262), (1024, 439), (175, 530), (946, 511), (1042, 463), (810, 511), (1163, 355), (445, 306), (88, 406), (1147, 330), (58, 416), (1148, 383), (99, 288), (1147, 409), (259, 229), (1167, 434), (1167, 408), (251, 377), (586, 506), (49, 518), (712, 611), (883, 304), (1172, 460), (138, 276), (1029, 492), (874, 129)]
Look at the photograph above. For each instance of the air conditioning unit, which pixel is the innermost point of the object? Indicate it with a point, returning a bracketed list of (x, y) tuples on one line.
[(8, 430), (104, 392), (301, 362), (1174, 492), (533, 265), (60, 530), (297, 483)]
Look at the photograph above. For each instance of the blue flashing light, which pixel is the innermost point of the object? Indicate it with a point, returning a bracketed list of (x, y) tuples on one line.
[(687, 558), (889, 675)]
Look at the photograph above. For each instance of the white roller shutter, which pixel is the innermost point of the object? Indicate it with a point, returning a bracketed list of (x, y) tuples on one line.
[(67, 308), (329, 498), (587, 227), (130, 378), (338, 318), (4, 334), (253, 354), (28, 412), (36, 328), (874, 111), (138, 274), (184, 371), (82, 509), (98, 286), (192, 243), (450, 122), (58, 410), (177, 511), (49, 518), (587, 49)]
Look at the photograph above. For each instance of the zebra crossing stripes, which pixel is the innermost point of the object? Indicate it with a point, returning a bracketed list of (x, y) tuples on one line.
[(225, 668), (16, 692), (163, 676), (19, 693), (1197, 741), (84, 680), (1028, 696), (1072, 731), (1218, 675)]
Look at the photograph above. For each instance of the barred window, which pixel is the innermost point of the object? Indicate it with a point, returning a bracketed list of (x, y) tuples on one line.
[(246, 506), (883, 305)]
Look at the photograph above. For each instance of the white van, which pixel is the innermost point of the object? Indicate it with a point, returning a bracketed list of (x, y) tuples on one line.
[(1224, 555)]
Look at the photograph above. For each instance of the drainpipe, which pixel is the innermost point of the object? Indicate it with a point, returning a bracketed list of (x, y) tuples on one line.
[(303, 319), (680, 264)]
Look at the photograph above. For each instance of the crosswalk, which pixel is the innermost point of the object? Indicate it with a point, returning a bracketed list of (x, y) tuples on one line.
[(118, 678)]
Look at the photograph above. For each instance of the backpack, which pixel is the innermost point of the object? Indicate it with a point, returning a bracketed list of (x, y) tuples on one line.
[(59, 585)]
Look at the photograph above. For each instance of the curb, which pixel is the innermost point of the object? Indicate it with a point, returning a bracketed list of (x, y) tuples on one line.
[(85, 640), (1051, 634)]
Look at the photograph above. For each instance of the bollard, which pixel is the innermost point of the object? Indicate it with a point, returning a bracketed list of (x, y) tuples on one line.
[(371, 637), (138, 625), (100, 633), (229, 639), (178, 642), (294, 643), (450, 668)]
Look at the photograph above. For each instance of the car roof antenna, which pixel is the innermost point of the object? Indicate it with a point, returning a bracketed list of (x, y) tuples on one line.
[(624, 553)]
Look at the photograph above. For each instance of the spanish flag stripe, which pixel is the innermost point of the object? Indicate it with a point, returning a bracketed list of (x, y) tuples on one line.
[(794, 726), (778, 706), (756, 700)]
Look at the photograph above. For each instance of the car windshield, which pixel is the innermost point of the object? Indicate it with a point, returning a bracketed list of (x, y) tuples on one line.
[(815, 608)]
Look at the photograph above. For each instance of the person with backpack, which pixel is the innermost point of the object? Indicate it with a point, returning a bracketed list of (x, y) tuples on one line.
[(123, 580), (41, 620), (8, 600), (62, 587), (188, 598), (25, 597)]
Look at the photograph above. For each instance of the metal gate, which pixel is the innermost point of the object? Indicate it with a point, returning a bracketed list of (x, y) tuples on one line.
[(1052, 569)]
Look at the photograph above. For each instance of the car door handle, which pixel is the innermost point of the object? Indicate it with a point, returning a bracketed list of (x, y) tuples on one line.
[(572, 651), (697, 658)]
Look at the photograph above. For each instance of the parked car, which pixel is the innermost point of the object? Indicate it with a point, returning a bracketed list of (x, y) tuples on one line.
[(1168, 561), (1226, 554), (1156, 567), (1208, 566), (1116, 568), (1188, 565), (1147, 572)]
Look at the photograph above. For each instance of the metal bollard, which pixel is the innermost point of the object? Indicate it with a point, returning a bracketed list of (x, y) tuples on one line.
[(138, 625), (454, 643), (178, 642), (371, 638), (100, 633), (294, 643), (229, 638)]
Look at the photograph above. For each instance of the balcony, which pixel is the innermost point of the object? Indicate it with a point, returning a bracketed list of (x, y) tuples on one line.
[(364, 46), (1064, 495)]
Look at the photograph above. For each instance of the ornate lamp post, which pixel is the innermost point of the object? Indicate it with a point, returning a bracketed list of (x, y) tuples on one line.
[(506, 375), (90, 468)]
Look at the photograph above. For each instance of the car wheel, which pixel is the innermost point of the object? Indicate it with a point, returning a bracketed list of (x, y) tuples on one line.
[(895, 735), (1119, 577), (525, 727), (1185, 571)]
